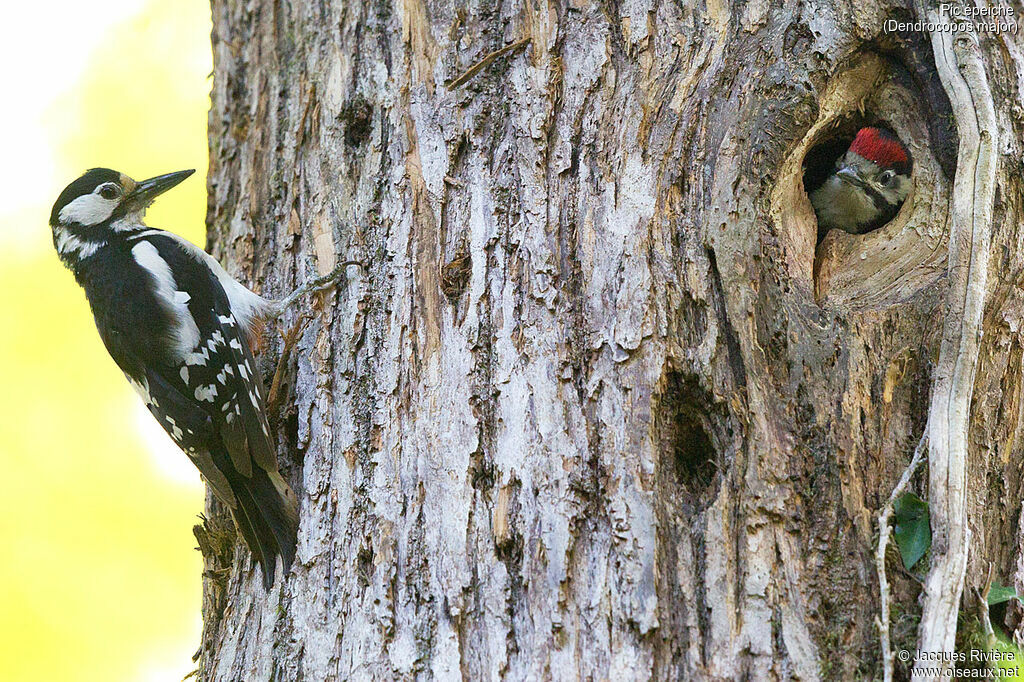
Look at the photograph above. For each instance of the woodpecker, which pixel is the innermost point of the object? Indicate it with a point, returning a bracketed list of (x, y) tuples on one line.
[(179, 326), (868, 186)]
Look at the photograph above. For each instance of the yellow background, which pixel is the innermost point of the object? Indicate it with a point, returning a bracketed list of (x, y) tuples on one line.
[(99, 579)]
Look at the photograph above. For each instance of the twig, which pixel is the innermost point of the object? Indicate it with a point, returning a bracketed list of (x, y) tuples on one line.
[(983, 614), (485, 62), (882, 621), (288, 341)]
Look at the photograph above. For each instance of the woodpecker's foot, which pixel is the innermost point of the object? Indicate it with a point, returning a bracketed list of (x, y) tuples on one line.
[(288, 339), (314, 285)]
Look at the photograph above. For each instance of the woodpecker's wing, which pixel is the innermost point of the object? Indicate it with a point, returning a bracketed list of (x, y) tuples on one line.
[(261, 503), (190, 428), (198, 379), (216, 378)]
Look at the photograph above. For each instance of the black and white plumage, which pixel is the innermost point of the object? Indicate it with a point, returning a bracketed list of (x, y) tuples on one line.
[(178, 326)]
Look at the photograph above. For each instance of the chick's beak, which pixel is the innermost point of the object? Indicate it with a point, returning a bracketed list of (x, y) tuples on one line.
[(148, 190), (849, 174)]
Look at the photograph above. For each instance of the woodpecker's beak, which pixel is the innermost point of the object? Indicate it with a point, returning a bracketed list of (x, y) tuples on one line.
[(849, 174), (148, 190)]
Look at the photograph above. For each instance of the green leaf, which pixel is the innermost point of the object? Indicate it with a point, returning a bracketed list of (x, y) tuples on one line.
[(997, 594), (911, 530)]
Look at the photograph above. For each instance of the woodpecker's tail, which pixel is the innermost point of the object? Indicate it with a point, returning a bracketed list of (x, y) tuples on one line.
[(267, 516)]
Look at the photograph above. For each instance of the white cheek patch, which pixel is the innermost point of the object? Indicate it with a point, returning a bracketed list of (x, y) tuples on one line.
[(896, 192), (88, 209), (903, 185)]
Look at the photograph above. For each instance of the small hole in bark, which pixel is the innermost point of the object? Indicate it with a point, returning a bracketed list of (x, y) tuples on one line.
[(357, 116), (694, 454), (455, 275), (364, 565), (688, 447), (481, 471)]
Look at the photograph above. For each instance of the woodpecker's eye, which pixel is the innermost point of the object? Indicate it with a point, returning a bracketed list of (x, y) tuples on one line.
[(109, 191), (886, 177)]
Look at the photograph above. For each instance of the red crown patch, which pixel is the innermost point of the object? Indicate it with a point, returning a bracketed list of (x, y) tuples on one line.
[(880, 146)]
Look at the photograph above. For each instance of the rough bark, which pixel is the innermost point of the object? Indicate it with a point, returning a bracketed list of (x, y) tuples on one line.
[(597, 405), (962, 72)]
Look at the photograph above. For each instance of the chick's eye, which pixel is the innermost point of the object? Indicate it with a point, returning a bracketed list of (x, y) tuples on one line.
[(108, 192), (886, 177)]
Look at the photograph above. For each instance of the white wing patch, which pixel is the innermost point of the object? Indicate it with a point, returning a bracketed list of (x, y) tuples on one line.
[(206, 392), (199, 358), (88, 209), (186, 332), (222, 376), (246, 305), (246, 374)]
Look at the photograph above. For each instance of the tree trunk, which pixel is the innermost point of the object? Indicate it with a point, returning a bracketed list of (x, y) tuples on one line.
[(596, 405)]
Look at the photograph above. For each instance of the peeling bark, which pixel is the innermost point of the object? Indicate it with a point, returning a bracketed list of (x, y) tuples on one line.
[(597, 405), (960, 66)]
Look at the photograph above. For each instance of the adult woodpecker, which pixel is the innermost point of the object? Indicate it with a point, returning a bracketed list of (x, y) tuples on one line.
[(178, 326), (868, 186)]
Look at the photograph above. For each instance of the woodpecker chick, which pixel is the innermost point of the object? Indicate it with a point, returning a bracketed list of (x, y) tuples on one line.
[(178, 325), (869, 184)]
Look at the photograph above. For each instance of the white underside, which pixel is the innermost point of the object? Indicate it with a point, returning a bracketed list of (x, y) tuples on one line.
[(842, 206)]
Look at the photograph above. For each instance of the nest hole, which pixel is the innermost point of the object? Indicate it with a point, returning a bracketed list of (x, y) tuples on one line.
[(821, 158), (905, 251), (693, 454)]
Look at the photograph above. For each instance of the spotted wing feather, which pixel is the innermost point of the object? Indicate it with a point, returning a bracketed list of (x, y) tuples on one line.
[(249, 423), (219, 373), (188, 426)]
